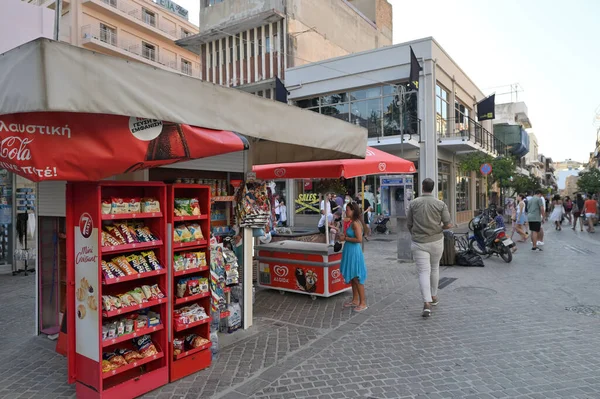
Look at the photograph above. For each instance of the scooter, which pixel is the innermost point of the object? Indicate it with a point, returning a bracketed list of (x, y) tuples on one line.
[(381, 225), (490, 241)]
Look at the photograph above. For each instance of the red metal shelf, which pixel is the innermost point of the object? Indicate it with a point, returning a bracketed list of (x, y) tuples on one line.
[(130, 309), (123, 216), (189, 218), (132, 247), (182, 327), (127, 337), (193, 351), (190, 271), (192, 298), (133, 365), (117, 280), (180, 246)]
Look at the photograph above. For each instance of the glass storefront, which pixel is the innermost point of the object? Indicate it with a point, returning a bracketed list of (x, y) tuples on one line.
[(462, 191), (444, 182)]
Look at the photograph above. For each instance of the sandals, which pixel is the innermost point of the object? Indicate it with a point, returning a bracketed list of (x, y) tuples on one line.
[(359, 308), (426, 312), (435, 302), (349, 304)]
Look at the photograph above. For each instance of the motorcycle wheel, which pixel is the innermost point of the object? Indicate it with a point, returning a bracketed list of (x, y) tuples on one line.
[(506, 254), (474, 246)]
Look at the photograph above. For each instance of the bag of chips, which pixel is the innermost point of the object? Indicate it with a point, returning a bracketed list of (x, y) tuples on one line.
[(114, 231), (195, 231), (182, 234), (152, 260), (118, 206), (127, 299), (182, 207), (122, 263), (138, 295), (108, 366), (108, 240), (150, 205), (178, 345), (134, 204), (178, 263), (195, 206), (106, 206), (147, 290), (114, 358), (129, 355), (145, 346), (126, 233), (193, 287), (156, 291)]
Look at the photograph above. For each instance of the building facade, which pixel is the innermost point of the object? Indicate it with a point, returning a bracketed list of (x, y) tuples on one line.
[(433, 126), (510, 126), (21, 23), (247, 43), (137, 30)]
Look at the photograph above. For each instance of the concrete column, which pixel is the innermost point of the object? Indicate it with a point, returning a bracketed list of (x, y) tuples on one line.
[(473, 191), (235, 59), (227, 59), (248, 242), (428, 157), (452, 188), (451, 112)]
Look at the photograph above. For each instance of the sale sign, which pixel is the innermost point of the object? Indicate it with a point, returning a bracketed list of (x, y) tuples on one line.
[(89, 147)]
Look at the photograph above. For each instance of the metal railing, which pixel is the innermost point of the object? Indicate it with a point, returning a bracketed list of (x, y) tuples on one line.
[(109, 37), (134, 10), (469, 129)]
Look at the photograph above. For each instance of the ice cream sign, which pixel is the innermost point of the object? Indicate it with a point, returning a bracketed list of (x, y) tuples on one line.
[(173, 7)]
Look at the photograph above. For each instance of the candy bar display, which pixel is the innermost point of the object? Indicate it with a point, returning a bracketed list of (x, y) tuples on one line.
[(189, 260), (217, 279), (137, 296), (232, 275), (187, 207), (127, 265), (122, 205), (190, 280), (126, 233), (123, 261)]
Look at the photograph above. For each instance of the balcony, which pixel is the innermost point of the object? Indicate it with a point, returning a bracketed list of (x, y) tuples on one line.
[(131, 13), (401, 133), (108, 42), (464, 135)]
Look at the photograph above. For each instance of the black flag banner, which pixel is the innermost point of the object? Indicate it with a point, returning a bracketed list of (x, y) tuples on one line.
[(486, 108), (415, 68), (281, 93)]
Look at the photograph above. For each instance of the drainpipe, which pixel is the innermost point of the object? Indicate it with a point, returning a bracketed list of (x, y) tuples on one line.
[(57, 16)]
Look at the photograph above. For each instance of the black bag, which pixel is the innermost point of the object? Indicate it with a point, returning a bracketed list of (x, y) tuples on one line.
[(469, 258), (449, 254)]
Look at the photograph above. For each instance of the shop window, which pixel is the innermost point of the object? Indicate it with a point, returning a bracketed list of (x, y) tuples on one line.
[(444, 182), (148, 17), (108, 34), (366, 93), (308, 103), (461, 115), (338, 111), (149, 51), (334, 99), (367, 114), (462, 192)]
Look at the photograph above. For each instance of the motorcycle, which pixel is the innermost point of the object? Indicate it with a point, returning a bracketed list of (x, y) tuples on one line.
[(490, 241)]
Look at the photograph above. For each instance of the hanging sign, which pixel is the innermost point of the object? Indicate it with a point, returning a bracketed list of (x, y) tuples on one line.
[(90, 147)]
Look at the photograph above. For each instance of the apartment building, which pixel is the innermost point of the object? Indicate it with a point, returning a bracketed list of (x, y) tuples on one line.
[(247, 43), (433, 126), (137, 30)]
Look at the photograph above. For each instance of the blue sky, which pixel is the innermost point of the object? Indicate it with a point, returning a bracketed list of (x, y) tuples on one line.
[(550, 47)]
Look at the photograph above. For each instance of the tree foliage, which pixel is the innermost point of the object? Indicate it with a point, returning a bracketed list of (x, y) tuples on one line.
[(503, 168), (325, 186), (524, 184), (589, 181)]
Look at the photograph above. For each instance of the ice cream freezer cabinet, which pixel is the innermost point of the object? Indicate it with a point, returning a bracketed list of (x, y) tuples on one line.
[(302, 267)]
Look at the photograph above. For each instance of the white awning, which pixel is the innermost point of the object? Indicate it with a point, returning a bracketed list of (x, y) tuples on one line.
[(48, 76)]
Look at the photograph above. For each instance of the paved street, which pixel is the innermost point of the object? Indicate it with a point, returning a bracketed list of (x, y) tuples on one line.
[(528, 329)]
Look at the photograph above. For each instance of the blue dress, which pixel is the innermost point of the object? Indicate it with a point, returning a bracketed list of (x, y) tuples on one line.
[(353, 261)]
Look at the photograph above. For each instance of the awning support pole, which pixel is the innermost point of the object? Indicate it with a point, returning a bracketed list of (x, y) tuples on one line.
[(248, 240)]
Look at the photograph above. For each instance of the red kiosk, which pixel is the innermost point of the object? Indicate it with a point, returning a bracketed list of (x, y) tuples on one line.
[(77, 132), (314, 268)]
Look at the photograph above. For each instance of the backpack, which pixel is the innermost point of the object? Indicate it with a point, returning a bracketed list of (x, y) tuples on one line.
[(469, 258)]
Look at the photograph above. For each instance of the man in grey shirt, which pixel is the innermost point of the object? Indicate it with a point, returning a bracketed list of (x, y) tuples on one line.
[(427, 218)]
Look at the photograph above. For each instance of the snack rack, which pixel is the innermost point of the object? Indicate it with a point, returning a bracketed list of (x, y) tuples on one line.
[(87, 284), (190, 360)]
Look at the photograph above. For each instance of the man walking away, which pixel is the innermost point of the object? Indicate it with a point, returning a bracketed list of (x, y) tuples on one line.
[(427, 217), (591, 207), (536, 216)]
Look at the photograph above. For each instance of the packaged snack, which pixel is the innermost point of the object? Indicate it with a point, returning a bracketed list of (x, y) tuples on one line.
[(114, 231), (134, 204), (196, 231), (152, 260), (143, 234), (108, 366), (178, 345), (147, 290), (129, 324), (104, 332), (115, 301), (181, 288), (116, 271), (203, 284), (193, 287), (112, 330), (138, 295), (114, 358), (156, 291), (127, 233), (118, 206), (107, 304), (120, 327), (150, 205), (153, 321), (182, 234), (189, 340), (179, 263), (127, 299), (108, 274), (134, 261), (108, 240), (195, 206), (144, 263), (145, 346), (129, 355), (182, 207), (200, 258), (199, 341), (122, 263), (141, 322)]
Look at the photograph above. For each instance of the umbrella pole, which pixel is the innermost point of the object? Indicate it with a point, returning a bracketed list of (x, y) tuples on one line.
[(363, 210), (326, 219)]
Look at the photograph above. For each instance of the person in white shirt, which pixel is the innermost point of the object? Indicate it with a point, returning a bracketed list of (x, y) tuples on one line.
[(283, 213), (324, 202), (331, 225), (277, 207)]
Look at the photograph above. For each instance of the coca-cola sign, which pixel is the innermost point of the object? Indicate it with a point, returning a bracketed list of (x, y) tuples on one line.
[(90, 147)]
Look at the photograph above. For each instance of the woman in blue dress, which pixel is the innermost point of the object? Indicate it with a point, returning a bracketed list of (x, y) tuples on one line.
[(353, 262)]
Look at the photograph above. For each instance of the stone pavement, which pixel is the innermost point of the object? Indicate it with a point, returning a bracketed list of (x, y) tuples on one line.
[(528, 329)]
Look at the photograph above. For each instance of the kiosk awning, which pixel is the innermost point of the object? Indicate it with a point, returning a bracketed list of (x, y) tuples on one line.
[(376, 162), (48, 76)]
